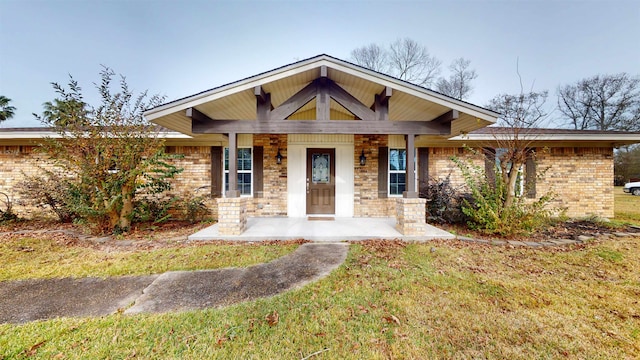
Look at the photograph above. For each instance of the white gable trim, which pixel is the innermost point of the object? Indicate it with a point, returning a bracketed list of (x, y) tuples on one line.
[(314, 63)]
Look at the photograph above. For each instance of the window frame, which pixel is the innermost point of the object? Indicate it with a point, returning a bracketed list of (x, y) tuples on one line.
[(225, 170), (389, 172), (519, 186)]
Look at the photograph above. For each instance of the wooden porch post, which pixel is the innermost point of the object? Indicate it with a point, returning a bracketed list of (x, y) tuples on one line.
[(411, 192), (233, 166)]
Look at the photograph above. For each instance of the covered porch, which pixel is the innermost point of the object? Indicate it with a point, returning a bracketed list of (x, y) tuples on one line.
[(319, 137), (338, 229)]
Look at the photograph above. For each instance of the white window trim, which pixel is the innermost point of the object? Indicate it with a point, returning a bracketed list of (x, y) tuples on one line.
[(226, 171), (519, 191), (389, 172)]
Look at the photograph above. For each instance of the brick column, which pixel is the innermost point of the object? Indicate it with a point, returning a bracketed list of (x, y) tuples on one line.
[(410, 216), (232, 215)]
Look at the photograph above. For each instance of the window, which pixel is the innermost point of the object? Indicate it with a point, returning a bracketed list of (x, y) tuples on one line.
[(245, 171), (525, 180), (397, 171)]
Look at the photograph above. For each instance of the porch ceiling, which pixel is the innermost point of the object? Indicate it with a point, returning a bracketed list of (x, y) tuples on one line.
[(237, 101)]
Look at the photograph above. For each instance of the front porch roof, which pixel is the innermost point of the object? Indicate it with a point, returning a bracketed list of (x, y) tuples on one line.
[(239, 100)]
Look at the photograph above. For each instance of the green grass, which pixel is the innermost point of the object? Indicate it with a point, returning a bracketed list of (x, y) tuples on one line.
[(30, 258), (436, 300), (627, 206), (459, 301)]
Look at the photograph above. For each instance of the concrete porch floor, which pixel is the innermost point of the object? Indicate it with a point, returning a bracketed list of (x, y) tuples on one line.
[(340, 229)]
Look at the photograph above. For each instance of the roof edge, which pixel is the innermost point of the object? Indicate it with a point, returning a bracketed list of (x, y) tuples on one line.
[(305, 64)]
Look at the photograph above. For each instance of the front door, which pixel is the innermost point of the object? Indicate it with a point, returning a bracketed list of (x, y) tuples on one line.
[(321, 183)]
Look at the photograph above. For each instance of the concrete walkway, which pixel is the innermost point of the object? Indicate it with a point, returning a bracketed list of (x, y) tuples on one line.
[(29, 300), (340, 229)]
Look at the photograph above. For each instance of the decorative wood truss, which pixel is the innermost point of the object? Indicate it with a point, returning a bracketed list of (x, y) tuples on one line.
[(372, 119)]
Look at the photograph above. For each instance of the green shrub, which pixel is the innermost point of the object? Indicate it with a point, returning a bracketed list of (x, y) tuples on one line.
[(155, 210), (486, 209), (194, 208)]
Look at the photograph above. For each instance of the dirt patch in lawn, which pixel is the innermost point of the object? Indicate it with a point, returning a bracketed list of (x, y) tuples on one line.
[(144, 236)]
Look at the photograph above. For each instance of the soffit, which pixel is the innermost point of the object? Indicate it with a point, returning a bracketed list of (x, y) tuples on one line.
[(238, 102)]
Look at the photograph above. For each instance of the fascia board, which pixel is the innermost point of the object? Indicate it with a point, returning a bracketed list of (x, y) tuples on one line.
[(549, 137), (17, 135)]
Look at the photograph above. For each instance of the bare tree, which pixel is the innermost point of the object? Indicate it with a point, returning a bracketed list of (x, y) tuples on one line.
[(405, 59), (372, 57), (519, 114), (626, 164), (412, 62), (458, 85), (602, 102)]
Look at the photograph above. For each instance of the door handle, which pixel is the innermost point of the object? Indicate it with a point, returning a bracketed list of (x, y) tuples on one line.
[(307, 185)]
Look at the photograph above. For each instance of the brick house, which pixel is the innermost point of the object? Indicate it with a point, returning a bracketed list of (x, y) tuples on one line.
[(326, 138)]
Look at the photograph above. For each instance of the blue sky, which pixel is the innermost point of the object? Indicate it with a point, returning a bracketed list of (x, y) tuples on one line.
[(178, 48)]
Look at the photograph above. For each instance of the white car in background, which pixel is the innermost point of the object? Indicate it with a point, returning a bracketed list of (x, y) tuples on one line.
[(632, 187)]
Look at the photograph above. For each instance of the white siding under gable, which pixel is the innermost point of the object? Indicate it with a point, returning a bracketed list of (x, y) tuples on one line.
[(397, 142)]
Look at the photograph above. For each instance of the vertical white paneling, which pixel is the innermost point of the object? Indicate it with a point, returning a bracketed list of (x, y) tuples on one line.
[(245, 140), (297, 172), (296, 181), (397, 142), (315, 139), (344, 180)]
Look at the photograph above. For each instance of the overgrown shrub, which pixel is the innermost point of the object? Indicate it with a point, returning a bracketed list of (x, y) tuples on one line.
[(6, 209), (486, 209), (50, 191), (151, 209), (444, 202), (195, 209), (110, 150)]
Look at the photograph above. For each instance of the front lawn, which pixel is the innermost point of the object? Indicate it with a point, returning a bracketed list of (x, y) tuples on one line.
[(433, 300), (61, 256), (627, 206), (441, 299)]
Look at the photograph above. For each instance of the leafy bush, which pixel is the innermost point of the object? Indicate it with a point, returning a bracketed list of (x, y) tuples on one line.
[(444, 202), (155, 210), (50, 191), (110, 150), (487, 210)]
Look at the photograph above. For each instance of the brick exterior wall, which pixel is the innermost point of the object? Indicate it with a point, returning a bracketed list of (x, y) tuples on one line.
[(441, 166), (366, 201), (274, 198), (195, 178), (233, 215), (14, 161), (410, 216), (581, 178)]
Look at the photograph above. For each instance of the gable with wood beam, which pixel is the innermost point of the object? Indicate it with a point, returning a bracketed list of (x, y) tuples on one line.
[(321, 89)]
